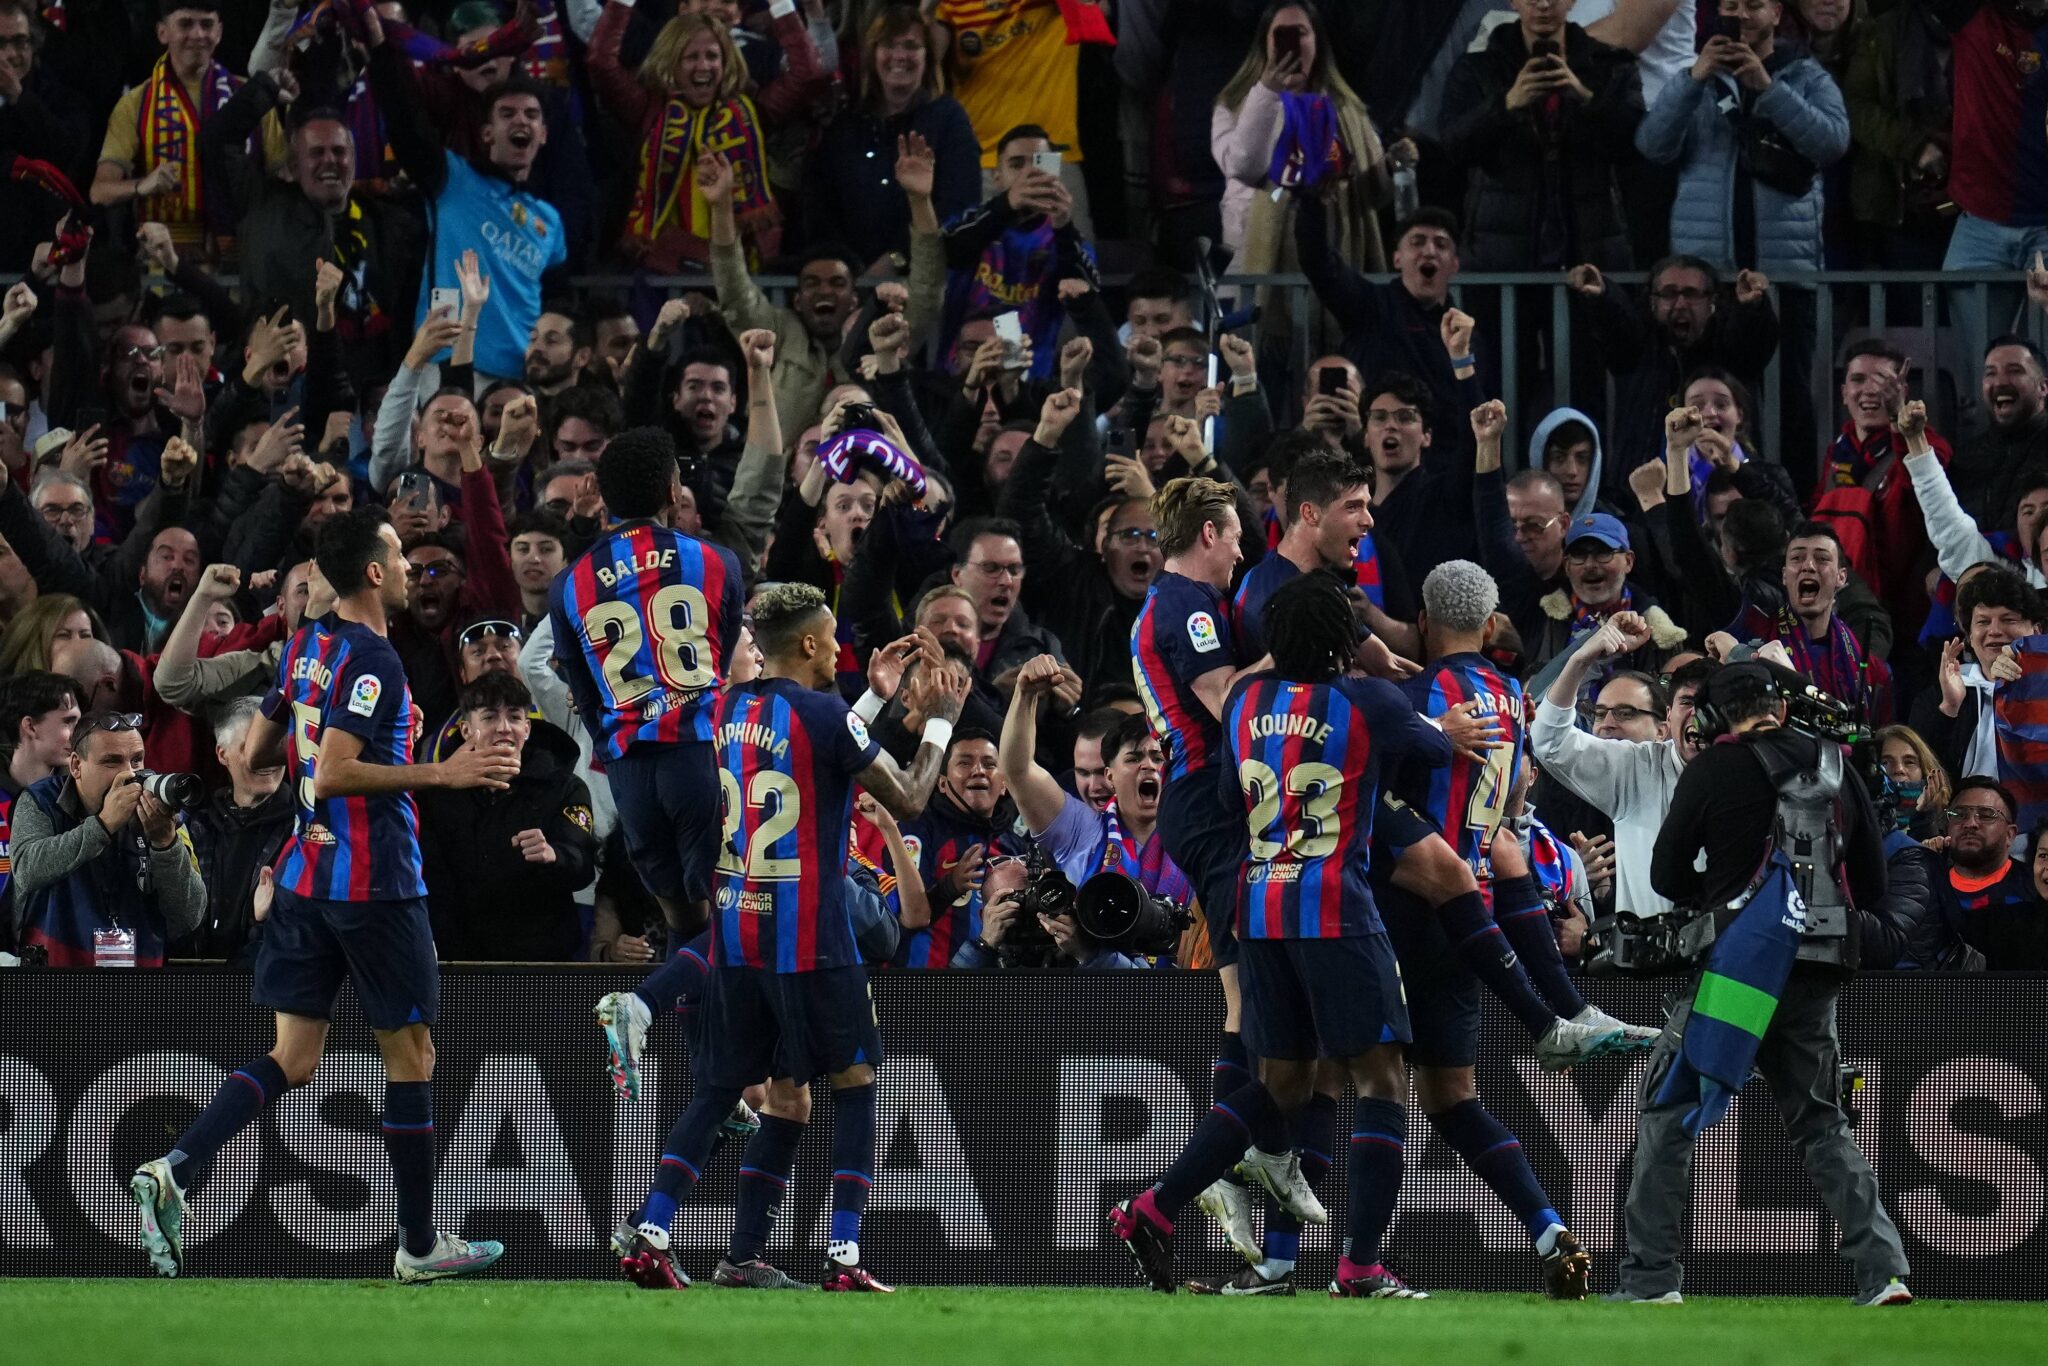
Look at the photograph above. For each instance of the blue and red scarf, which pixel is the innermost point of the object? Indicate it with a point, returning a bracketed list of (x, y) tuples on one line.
[(1310, 148), (1836, 666), (1586, 617), (1119, 853)]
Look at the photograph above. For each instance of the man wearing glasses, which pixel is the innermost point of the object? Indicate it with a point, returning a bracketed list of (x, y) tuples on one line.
[(1597, 563), (103, 871), (1649, 352), (1988, 895)]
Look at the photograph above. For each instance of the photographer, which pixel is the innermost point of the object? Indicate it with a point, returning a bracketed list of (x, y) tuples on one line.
[(1001, 944), (1784, 939), (103, 871), (1079, 840)]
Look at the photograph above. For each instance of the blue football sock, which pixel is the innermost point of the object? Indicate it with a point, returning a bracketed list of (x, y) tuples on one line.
[(1484, 949), (853, 1158), (1238, 1121), (409, 1143), (1525, 920), (1313, 1130), (680, 978), (240, 1099), (1232, 1069), (1495, 1157), (690, 1140), (765, 1166), (1379, 1136)]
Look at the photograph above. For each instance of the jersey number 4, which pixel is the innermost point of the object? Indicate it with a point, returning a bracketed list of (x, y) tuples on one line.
[(1310, 795), (776, 805), (677, 618)]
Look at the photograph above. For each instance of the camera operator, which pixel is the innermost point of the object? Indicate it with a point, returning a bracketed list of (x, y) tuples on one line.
[(1784, 940), (104, 872), (1003, 910)]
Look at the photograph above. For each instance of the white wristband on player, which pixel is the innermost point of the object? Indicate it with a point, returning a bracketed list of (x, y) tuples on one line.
[(623, 4), (782, 9), (938, 731), (870, 706)]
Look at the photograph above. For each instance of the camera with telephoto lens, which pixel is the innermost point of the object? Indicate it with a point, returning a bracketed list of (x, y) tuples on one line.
[(178, 791), (1116, 912)]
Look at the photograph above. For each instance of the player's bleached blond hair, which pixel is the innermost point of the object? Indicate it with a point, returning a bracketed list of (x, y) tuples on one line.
[(781, 611), (1460, 596)]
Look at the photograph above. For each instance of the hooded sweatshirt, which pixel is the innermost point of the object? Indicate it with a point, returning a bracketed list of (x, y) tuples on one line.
[(1589, 500)]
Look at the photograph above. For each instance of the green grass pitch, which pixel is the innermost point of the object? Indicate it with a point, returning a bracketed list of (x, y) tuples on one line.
[(509, 1323)]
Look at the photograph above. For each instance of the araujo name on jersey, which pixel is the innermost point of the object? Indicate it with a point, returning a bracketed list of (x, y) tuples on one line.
[(755, 734), (1310, 728), (637, 565)]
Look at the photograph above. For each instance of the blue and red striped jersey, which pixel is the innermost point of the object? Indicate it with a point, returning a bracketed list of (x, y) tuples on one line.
[(938, 838), (644, 622), (1468, 799), (787, 759), (344, 675), (1182, 632), (1307, 761), (1247, 609)]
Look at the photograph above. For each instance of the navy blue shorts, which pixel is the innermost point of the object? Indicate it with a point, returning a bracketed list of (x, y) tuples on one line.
[(1208, 840), (1396, 828), (1443, 994), (670, 813), (386, 948), (755, 1024), (1320, 998)]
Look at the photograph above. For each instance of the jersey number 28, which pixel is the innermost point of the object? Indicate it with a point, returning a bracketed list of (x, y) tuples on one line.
[(677, 617)]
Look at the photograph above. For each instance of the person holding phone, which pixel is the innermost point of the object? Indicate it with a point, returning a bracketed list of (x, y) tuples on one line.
[(1751, 134), (1292, 62), (1011, 254), (1545, 118)]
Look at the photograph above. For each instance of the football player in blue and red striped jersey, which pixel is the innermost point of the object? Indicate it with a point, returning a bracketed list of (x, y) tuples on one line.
[(645, 622), (787, 996), (1468, 800), (350, 903), (1304, 749)]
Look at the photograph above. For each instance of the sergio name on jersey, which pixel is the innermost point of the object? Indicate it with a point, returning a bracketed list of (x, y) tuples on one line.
[(367, 848)]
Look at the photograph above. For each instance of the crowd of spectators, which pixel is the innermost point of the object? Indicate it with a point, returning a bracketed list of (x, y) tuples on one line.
[(330, 253)]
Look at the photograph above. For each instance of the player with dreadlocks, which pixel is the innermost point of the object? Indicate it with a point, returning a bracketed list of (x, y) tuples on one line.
[(1317, 974)]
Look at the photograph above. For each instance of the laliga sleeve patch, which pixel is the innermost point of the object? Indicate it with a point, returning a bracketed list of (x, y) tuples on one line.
[(914, 847), (362, 699), (1202, 633), (857, 729)]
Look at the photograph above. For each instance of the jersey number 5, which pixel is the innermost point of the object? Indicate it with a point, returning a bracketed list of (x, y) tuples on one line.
[(306, 748), (768, 788), (1312, 791), (677, 617)]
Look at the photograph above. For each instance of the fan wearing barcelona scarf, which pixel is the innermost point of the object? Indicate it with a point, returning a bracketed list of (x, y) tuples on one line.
[(686, 101), (151, 156)]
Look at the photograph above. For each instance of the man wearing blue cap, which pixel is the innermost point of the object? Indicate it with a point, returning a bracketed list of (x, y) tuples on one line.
[(1597, 563)]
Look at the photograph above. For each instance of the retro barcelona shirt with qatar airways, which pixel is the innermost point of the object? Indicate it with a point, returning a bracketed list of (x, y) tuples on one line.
[(644, 623), (342, 675), (787, 761)]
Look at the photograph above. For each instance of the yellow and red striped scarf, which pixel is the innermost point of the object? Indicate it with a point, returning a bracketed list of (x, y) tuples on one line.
[(665, 185), (169, 131)]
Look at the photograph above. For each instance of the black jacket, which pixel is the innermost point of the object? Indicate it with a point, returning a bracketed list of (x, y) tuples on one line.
[(1987, 470), (1948, 736), (378, 241), (486, 901), (1912, 908), (234, 844), (1544, 190), (1649, 370), (46, 123)]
